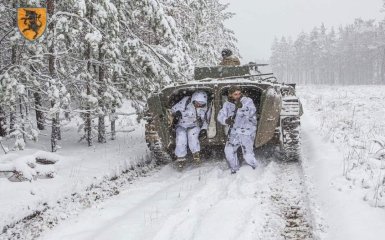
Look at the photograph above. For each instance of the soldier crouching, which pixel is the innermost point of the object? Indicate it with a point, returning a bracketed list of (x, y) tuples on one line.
[(190, 115)]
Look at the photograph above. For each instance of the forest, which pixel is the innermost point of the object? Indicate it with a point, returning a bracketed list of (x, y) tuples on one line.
[(94, 54), (352, 54)]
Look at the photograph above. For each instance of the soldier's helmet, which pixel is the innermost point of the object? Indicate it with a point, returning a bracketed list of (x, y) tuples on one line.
[(226, 53), (200, 97)]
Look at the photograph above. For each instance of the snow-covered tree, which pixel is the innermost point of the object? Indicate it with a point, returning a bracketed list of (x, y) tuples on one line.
[(353, 55), (96, 53), (202, 26)]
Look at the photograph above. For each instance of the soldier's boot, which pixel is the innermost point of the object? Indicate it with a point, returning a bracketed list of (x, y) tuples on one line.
[(197, 158), (180, 162)]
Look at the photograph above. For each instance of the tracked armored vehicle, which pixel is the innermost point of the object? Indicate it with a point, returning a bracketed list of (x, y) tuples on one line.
[(278, 111)]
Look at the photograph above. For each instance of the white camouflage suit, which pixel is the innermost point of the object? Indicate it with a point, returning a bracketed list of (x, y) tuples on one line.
[(243, 132), (187, 129)]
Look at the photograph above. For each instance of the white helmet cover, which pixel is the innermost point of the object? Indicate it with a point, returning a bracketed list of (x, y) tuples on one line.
[(199, 96)]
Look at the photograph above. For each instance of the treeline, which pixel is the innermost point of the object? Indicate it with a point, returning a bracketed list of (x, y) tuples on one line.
[(96, 53), (354, 54)]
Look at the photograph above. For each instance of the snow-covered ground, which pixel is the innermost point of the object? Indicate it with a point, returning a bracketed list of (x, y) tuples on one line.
[(79, 167), (342, 126), (339, 211), (352, 117), (200, 203), (334, 193)]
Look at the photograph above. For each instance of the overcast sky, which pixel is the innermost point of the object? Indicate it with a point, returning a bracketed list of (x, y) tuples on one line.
[(257, 22)]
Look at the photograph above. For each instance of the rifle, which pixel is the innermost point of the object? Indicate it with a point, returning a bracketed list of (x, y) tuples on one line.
[(198, 119), (175, 120), (231, 126)]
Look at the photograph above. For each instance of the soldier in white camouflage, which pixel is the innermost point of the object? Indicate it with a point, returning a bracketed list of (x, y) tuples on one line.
[(239, 114), (191, 115)]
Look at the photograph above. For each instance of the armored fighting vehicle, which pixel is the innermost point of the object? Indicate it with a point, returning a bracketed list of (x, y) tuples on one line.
[(278, 110)]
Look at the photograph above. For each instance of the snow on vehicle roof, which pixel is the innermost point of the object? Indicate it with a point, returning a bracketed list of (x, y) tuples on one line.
[(211, 81)]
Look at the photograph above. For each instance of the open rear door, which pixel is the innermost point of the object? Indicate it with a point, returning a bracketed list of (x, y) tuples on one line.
[(270, 112), (160, 118)]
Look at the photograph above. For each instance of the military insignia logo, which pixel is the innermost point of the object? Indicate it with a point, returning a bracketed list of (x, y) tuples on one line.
[(31, 22)]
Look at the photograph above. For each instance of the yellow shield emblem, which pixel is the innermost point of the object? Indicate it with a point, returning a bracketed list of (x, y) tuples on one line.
[(31, 22)]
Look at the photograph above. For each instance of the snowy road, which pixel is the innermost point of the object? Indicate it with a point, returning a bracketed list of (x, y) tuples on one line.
[(311, 200), (200, 203)]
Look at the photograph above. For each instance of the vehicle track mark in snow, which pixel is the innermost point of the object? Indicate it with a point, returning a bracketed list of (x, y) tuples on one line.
[(205, 202), (286, 199)]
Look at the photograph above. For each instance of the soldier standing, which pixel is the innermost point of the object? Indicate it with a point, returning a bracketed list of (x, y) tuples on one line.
[(239, 114), (228, 59)]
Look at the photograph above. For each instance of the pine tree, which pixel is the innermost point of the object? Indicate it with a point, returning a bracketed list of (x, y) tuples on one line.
[(202, 26), (352, 55), (96, 53)]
